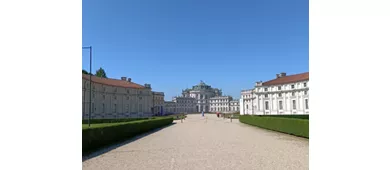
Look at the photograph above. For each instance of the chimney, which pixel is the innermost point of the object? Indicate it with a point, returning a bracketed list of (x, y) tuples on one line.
[(282, 74), (259, 83), (123, 78), (129, 79), (277, 75), (147, 86)]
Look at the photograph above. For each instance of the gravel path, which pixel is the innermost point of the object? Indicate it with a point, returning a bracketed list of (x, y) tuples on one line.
[(215, 143)]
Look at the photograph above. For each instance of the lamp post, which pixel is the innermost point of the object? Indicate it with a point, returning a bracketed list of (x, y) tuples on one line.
[(90, 84)]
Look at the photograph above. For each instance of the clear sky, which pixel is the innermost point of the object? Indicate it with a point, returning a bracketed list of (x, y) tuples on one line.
[(173, 44)]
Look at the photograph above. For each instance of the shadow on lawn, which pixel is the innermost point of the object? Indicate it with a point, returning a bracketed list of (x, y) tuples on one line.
[(119, 144)]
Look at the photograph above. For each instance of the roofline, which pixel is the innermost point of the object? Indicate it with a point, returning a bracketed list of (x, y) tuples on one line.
[(143, 87), (247, 90), (265, 83)]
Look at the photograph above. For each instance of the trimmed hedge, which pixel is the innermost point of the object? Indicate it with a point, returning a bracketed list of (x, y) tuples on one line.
[(293, 126), (287, 116), (95, 121), (100, 135)]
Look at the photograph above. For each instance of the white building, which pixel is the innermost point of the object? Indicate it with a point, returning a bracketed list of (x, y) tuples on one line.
[(246, 102), (220, 103), (224, 104), (234, 106), (202, 98), (180, 105), (283, 95), (185, 104), (169, 107), (202, 93)]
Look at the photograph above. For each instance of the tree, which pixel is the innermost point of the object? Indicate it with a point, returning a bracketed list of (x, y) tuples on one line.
[(85, 72), (101, 73)]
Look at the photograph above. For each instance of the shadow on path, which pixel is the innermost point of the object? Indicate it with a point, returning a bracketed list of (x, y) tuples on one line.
[(119, 144)]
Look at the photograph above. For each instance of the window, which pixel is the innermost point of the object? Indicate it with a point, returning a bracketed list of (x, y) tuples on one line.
[(103, 108), (280, 88), (294, 105), (93, 95), (128, 91), (140, 107), (266, 105), (280, 94), (304, 85), (114, 108), (280, 105), (93, 106), (115, 90), (140, 98), (292, 86), (114, 97), (266, 95), (246, 106), (307, 103), (265, 89), (292, 93), (104, 88), (104, 96), (127, 97), (305, 92), (93, 87)]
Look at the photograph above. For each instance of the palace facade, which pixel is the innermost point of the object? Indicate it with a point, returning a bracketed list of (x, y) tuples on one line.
[(113, 98), (202, 98), (202, 93), (286, 94)]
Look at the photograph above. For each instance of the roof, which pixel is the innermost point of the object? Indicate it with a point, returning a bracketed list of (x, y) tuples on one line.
[(216, 97), (113, 82), (247, 90), (288, 79)]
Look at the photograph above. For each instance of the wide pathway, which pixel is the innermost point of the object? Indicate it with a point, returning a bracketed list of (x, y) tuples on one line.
[(213, 143)]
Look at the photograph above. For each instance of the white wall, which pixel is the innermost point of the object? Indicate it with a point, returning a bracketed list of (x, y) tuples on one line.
[(259, 99)]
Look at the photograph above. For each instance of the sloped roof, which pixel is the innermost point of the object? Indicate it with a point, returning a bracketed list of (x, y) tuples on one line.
[(113, 82), (288, 79)]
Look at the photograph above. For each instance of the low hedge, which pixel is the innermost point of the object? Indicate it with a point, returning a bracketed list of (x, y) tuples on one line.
[(288, 116), (100, 135), (95, 121), (293, 126)]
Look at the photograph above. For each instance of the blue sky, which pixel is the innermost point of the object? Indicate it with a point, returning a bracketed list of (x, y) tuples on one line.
[(173, 44)]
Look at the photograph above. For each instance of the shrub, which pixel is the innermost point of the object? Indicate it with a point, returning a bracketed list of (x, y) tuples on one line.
[(95, 121), (287, 116), (293, 126), (100, 135)]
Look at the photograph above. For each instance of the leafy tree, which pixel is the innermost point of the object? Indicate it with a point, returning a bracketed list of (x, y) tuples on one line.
[(85, 72), (101, 73)]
